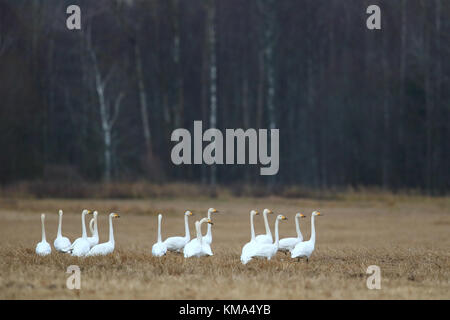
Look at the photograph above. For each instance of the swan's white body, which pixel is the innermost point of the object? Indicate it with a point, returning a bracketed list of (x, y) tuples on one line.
[(94, 230), (265, 238), (43, 248), (61, 242), (208, 237), (249, 246), (106, 247), (80, 247), (159, 248), (287, 244), (305, 249), (265, 250), (197, 247), (177, 243)]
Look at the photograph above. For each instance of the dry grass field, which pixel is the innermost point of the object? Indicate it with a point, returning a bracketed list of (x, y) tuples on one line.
[(407, 237)]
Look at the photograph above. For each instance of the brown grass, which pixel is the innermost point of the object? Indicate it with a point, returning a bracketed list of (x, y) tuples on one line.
[(408, 237)]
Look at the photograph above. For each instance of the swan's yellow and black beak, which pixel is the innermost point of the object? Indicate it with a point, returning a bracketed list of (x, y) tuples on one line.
[(269, 211), (89, 212), (283, 218), (319, 214), (190, 213), (257, 212), (209, 221), (302, 215), (215, 211), (115, 215)]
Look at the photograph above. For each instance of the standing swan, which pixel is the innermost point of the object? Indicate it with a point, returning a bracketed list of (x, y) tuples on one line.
[(287, 244), (249, 246), (305, 249), (265, 238), (266, 250), (159, 248), (208, 238), (60, 242), (106, 247), (43, 248), (197, 247), (81, 245), (177, 243), (94, 239)]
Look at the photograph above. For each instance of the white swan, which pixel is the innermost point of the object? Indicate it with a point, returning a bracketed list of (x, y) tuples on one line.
[(247, 248), (177, 243), (265, 238), (159, 248), (305, 249), (106, 247), (197, 247), (81, 245), (94, 230), (43, 248), (208, 238), (266, 250), (61, 242), (287, 244)]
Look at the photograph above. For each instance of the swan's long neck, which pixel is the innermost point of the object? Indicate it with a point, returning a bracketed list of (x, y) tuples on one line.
[(252, 227), (58, 235), (95, 233), (297, 227), (159, 228), (276, 233), (83, 226), (208, 233), (266, 224), (198, 228), (313, 230), (43, 230), (111, 231), (186, 227)]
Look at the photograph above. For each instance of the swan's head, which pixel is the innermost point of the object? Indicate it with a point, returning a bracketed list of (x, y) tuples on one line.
[(188, 213), (254, 212), (86, 211), (42, 216), (209, 221), (114, 215), (266, 211), (60, 212), (95, 214), (300, 215), (160, 216), (317, 213), (281, 217), (212, 210)]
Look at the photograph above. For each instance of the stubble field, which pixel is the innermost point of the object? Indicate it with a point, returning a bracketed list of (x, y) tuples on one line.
[(408, 238)]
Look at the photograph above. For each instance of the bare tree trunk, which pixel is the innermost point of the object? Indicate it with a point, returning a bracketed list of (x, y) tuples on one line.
[(212, 78), (142, 98)]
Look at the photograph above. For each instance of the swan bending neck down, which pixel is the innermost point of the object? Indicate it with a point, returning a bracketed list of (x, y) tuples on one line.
[(208, 237), (106, 247), (93, 225), (265, 250), (159, 248), (177, 243), (287, 244), (266, 238), (43, 248), (306, 248), (81, 245), (249, 245), (197, 247), (60, 242)]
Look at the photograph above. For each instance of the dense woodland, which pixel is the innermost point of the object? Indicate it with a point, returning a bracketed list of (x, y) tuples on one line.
[(355, 107)]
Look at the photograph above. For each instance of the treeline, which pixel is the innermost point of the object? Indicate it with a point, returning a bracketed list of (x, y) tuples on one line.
[(355, 107)]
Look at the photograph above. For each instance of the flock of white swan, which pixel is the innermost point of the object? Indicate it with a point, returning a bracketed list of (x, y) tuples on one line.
[(261, 246)]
